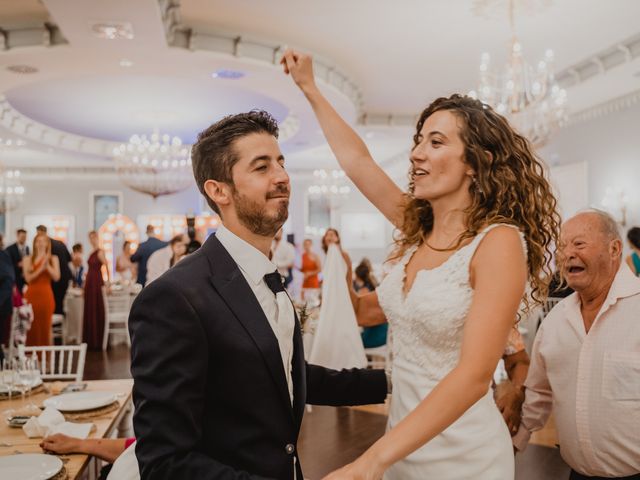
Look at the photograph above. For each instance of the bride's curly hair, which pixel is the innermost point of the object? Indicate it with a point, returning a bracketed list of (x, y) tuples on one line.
[(509, 187)]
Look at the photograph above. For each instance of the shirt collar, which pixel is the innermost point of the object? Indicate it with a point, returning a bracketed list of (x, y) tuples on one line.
[(625, 284), (253, 263)]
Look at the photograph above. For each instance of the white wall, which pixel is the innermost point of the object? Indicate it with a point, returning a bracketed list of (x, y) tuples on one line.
[(610, 145), (71, 196)]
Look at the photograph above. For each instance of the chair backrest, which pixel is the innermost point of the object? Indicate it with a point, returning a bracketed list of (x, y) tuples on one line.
[(58, 362), (116, 304)]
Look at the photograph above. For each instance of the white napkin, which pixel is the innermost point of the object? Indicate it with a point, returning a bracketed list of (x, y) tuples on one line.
[(52, 421)]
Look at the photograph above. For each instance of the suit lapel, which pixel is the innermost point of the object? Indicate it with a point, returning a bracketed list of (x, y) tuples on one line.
[(299, 374), (234, 290)]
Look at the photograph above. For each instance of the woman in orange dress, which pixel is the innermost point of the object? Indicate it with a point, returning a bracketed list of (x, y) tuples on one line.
[(40, 269), (310, 267)]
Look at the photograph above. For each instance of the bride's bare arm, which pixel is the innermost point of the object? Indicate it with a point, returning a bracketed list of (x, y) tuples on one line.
[(351, 152), (499, 272)]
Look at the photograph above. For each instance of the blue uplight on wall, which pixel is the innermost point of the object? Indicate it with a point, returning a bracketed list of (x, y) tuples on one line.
[(228, 74)]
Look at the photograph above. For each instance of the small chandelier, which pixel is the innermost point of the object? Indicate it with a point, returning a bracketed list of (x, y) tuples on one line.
[(11, 190), (156, 165), (329, 183), (530, 98)]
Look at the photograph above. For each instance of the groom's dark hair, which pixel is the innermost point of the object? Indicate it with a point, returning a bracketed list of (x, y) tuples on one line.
[(213, 155)]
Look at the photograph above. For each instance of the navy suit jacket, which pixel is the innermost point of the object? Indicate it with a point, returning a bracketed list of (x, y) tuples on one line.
[(210, 392), (142, 254)]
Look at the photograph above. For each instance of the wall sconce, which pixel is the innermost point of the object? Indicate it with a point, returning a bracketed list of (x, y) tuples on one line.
[(615, 202)]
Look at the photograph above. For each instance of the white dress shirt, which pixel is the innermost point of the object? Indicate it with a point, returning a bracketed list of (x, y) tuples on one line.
[(284, 255), (158, 263), (254, 265), (591, 382)]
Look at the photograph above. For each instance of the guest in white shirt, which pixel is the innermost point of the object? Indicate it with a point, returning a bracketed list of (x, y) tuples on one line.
[(284, 256), (162, 260), (585, 366)]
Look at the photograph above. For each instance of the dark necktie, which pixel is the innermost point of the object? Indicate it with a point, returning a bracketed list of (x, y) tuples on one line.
[(274, 282)]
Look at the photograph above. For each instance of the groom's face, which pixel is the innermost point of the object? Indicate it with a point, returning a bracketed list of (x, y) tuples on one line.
[(261, 190)]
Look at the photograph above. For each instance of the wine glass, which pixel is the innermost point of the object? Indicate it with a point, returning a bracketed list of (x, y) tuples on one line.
[(25, 376), (8, 375)]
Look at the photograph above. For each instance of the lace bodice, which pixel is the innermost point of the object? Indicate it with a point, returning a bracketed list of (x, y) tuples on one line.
[(427, 323)]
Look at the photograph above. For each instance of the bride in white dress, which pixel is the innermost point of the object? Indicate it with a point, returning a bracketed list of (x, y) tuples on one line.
[(475, 225)]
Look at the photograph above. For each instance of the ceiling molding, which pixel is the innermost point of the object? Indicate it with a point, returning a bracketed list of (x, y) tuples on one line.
[(239, 46), (48, 35), (620, 53), (606, 108)]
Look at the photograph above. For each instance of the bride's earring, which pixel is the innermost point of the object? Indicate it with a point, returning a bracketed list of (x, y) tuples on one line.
[(476, 185)]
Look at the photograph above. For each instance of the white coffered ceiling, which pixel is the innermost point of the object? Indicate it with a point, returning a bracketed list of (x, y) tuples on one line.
[(383, 59)]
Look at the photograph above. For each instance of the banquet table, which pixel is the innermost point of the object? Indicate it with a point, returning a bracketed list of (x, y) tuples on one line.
[(15, 441)]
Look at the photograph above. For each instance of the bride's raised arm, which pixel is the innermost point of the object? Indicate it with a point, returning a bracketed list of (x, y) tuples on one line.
[(351, 152)]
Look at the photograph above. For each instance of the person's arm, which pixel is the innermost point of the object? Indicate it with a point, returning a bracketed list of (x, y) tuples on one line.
[(351, 152), (169, 365), (53, 267), (499, 273), (345, 387), (538, 396), (107, 449), (510, 394), (629, 261), (103, 261), (28, 272)]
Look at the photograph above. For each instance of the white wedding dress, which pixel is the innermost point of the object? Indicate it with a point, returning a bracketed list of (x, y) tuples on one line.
[(337, 343), (426, 328)]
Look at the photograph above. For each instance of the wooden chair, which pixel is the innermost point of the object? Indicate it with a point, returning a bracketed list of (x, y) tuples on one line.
[(64, 362)]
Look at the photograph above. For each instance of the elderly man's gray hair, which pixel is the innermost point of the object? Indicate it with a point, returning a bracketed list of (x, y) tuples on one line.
[(607, 223)]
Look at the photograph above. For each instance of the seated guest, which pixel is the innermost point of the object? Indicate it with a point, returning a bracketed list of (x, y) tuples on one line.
[(107, 449), (584, 364), (125, 268), (365, 282), (633, 260)]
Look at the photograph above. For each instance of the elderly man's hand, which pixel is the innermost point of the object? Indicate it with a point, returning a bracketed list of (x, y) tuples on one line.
[(509, 399)]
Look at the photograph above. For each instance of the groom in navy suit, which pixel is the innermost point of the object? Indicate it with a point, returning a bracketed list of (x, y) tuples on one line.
[(217, 359)]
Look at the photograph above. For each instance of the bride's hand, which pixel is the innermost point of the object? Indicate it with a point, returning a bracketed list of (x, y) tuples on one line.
[(300, 67), (358, 470)]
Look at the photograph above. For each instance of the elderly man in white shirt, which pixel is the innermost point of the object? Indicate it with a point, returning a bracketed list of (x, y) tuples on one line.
[(585, 365)]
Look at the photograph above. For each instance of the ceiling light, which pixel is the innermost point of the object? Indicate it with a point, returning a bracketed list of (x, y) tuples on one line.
[(22, 69), (126, 63), (112, 30), (228, 74)]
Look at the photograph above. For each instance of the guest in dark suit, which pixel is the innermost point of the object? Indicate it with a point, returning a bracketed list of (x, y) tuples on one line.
[(220, 380), (60, 286), (7, 282), (16, 251), (144, 251)]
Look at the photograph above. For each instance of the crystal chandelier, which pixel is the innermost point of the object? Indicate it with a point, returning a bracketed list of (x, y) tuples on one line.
[(530, 98), (156, 165), (11, 190), (329, 183)]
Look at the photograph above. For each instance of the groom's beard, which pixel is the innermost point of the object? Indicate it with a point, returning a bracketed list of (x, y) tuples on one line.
[(254, 217)]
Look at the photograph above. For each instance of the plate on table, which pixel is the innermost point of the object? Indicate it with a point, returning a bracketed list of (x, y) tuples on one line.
[(30, 466), (77, 401)]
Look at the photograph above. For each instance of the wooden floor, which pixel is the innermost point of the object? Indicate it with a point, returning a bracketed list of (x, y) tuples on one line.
[(332, 437)]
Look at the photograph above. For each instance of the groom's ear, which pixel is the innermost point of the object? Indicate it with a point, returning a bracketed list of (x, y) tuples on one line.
[(217, 191)]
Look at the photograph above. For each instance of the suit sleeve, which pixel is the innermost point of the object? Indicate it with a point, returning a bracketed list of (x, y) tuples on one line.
[(345, 387), (169, 363), (135, 257)]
